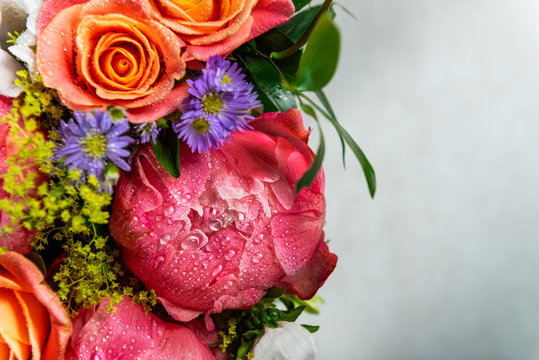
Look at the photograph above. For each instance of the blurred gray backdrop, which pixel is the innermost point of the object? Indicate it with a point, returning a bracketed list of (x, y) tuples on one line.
[(443, 263)]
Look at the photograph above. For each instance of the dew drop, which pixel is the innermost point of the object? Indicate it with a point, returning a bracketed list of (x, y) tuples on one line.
[(256, 258), (258, 239), (158, 218), (217, 270), (195, 240), (216, 225), (229, 254), (169, 211), (228, 285)]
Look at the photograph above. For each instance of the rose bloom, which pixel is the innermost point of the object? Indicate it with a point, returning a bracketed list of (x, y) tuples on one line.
[(103, 53), (34, 322), (217, 27), (230, 226), (129, 333)]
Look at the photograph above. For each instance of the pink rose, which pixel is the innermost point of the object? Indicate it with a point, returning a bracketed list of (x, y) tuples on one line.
[(218, 27), (34, 323), (129, 333), (102, 53), (231, 226)]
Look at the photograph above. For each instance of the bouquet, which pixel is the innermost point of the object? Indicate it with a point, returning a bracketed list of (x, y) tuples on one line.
[(158, 196)]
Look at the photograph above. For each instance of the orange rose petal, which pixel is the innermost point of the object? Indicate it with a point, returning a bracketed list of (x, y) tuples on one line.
[(9, 281), (13, 323), (55, 61), (31, 276), (4, 350), (224, 47), (206, 10), (19, 350), (161, 108), (37, 321)]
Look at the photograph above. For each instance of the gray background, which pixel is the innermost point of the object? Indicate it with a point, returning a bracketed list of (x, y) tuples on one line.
[(443, 264)]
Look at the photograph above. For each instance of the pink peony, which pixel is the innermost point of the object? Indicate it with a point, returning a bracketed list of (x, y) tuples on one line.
[(129, 333), (231, 226)]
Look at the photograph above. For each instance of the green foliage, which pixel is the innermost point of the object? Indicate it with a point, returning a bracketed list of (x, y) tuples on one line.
[(308, 177), (319, 59), (240, 329), (266, 80), (299, 4), (167, 152), (66, 213), (38, 101), (298, 24), (92, 270)]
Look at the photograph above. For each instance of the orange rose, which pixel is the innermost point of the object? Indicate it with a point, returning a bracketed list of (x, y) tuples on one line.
[(104, 53), (34, 322), (212, 27)]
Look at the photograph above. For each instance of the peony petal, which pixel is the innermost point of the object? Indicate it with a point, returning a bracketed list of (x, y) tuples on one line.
[(312, 276), (130, 333)]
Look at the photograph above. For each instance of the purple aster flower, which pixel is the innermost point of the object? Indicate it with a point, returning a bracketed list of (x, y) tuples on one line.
[(218, 105), (199, 132), (148, 132), (91, 140)]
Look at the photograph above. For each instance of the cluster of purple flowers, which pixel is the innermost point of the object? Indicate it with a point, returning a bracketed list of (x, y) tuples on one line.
[(218, 106)]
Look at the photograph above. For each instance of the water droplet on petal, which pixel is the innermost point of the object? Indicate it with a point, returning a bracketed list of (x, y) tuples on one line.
[(169, 211), (215, 225), (217, 270), (256, 258), (229, 254), (228, 285), (258, 239), (195, 240)]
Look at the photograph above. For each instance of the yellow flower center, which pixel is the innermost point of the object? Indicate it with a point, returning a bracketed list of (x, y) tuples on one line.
[(201, 125), (212, 104), (226, 80), (94, 145)]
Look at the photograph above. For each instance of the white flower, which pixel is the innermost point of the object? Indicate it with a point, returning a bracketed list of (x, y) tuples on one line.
[(20, 16), (290, 341)]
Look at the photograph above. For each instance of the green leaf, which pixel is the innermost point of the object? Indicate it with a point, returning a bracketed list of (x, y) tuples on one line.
[(299, 4), (275, 40), (251, 334), (325, 102), (294, 313), (287, 302), (365, 164), (244, 349), (296, 26), (167, 152), (267, 84), (319, 59), (274, 293), (311, 328), (307, 179)]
